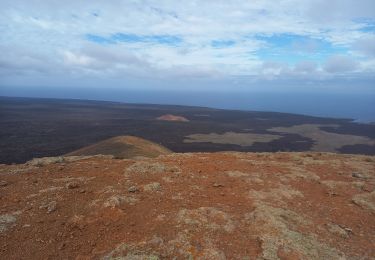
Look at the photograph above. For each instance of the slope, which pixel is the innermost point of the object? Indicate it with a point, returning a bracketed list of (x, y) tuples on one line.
[(123, 147)]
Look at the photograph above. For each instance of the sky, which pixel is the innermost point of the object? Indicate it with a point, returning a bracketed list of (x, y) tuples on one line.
[(208, 45)]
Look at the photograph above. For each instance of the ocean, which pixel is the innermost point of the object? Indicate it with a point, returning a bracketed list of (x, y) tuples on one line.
[(356, 106)]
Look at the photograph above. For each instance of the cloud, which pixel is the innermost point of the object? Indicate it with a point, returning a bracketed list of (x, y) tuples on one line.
[(340, 64), (305, 67), (366, 46), (71, 58), (271, 69), (166, 39), (16, 60), (339, 11)]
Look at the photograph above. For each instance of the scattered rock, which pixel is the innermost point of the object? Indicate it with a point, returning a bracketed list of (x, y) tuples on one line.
[(236, 174), (368, 187), (217, 185), (155, 186), (50, 189), (62, 246), (51, 206), (338, 230), (3, 183), (117, 200), (6, 221), (133, 189), (72, 185), (348, 230), (358, 175)]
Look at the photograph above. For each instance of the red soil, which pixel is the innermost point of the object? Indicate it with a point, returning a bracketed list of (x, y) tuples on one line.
[(200, 205)]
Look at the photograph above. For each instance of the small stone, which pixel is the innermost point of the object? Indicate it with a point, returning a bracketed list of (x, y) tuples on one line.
[(72, 185), (217, 185), (368, 187), (338, 230), (348, 230), (51, 207), (332, 193), (82, 191), (3, 183), (6, 221), (133, 189), (155, 186), (358, 175), (61, 246)]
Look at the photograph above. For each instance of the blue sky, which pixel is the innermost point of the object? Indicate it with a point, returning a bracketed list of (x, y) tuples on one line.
[(195, 45)]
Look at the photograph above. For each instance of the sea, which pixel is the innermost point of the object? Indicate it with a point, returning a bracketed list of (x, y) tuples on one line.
[(357, 106)]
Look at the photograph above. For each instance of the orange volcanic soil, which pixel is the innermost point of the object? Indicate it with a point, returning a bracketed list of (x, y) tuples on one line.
[(170, 117), (190, 206)]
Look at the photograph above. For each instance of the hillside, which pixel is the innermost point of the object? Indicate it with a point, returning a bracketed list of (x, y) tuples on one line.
[(124, 147), (225, 205)]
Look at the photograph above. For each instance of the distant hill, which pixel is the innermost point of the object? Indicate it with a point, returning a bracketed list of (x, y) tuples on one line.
[(123, 147), (170, 117)]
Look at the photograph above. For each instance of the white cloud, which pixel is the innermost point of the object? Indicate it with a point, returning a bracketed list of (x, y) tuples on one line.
[(50, 36), (71, 58), (366, 46), (305, 67)]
